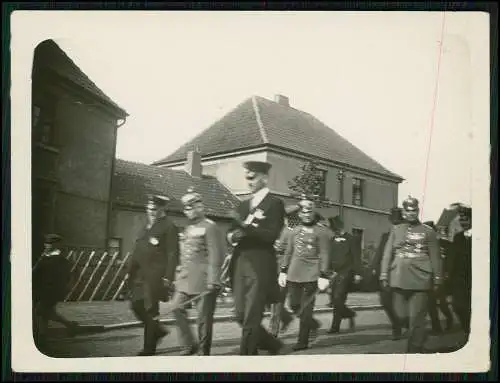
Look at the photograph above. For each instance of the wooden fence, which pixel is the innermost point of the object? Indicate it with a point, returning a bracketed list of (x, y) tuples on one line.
[(98, 275)]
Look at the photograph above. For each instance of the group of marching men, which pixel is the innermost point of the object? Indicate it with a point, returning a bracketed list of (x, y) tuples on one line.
[(270, 260)]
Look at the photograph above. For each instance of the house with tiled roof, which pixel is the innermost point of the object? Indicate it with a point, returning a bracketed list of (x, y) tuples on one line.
[(133, 182), (358, 188), (74, 130)]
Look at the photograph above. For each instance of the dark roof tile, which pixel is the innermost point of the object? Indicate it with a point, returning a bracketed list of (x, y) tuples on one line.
[(133, 181)]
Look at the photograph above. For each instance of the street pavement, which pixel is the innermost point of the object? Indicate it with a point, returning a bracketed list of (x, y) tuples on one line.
[(114, 312), (372, 335)]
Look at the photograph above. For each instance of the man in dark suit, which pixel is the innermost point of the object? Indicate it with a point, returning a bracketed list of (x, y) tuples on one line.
[(461, 269), (385, 294), (152, 269), (346, 263), (202, 255), (253, 270), (437, 298)]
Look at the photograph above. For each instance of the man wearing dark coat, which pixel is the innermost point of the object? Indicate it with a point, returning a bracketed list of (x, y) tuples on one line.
[(437, 298), (51, 283), (152, 270), (461, 269), (258, 223), (385, 293), (346, 263)]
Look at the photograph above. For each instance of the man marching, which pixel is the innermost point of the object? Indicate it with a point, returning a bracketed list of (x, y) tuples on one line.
[(346, 260), (51, 282), (253, 267), (414, 270), (385, 293), (305, 268), (461, 269), (280, 316), (152, 269), (202, 255)]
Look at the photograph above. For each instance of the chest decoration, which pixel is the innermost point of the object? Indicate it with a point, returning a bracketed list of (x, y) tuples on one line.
[(415, 242), (339, 239), (154, 241), (193, 241), (305, 242)]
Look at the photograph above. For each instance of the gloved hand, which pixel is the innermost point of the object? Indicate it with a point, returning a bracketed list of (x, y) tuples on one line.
[(357, 278), (282, 280), (323, 284), (214, 288), (384, 283)]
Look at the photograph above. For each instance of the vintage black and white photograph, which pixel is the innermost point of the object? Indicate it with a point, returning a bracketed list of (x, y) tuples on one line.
[(273, 184)]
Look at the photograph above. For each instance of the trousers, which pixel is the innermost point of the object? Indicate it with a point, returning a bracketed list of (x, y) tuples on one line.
[(205, 319), (340, 289), (148, 311), (413, 305), (302, 300), (279, 313)]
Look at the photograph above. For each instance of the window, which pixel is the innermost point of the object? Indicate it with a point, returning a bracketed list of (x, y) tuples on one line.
[(357, 191), (43, 119), (321, 184)]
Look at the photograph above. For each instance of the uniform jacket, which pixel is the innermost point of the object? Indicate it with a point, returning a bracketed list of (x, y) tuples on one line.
[(345, 254), (307, 256), (258, 244), (412, 260), (51, 277), (460, 263), (202, 255), (155, 256), (282, 243)]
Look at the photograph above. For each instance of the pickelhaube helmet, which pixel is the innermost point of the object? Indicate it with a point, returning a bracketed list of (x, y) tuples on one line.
[(410, 204), (191, 197), (306, 204)]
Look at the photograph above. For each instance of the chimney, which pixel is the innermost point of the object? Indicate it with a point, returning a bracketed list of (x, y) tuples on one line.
[(282, 100), (193, 163)]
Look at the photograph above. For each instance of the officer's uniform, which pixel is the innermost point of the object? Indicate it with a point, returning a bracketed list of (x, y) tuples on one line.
[(386, 293), (151, 270), (346, 262), (412, 266), (437, 298), (202, 255), (461, 271), (51, 283), (306, 259)]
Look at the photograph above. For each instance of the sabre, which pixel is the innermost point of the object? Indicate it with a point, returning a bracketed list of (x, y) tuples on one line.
[(104, 275), (116, 276), (92, 276), (195, 298), (80, 276)]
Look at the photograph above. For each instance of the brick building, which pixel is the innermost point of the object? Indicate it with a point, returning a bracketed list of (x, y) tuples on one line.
[(361, 190), (132, 183), (74, 130)]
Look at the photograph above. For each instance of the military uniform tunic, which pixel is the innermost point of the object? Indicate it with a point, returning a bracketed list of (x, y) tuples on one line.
[(202, 255), (307, 254), (417, 260)]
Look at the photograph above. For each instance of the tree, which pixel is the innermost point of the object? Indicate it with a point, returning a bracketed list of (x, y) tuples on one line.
[(310, 181)]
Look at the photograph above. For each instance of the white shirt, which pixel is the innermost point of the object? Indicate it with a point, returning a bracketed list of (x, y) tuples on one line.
[(258, 197)]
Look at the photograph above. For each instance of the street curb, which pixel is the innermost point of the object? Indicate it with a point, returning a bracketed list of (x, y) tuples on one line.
[(217, 319)]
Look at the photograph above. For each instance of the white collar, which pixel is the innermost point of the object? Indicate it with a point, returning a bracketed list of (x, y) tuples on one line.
[(259, 196)]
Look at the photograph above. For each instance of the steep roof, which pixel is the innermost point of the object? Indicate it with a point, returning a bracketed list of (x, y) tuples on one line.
[(258, 122), (49, 55), (133, 181)]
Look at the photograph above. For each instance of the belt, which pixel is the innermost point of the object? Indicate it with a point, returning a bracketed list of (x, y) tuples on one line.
[(410, 255)]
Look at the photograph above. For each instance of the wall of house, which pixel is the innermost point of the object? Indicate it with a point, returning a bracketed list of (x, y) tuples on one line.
[(88, 139), (126, 224), (378, 194)]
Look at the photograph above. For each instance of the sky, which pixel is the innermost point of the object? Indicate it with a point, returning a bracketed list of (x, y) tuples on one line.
[(370, 77)]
